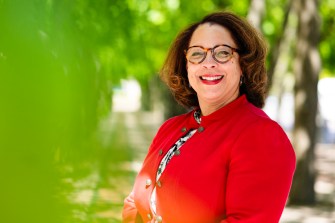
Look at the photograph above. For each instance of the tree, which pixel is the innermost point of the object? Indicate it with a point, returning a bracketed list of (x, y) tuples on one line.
[(281, 42), (307, 66), (256, 13)]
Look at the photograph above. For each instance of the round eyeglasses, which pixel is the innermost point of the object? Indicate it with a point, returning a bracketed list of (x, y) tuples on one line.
[(220, 53)]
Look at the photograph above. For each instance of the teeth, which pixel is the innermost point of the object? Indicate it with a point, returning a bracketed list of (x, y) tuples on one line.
[(211, 78)]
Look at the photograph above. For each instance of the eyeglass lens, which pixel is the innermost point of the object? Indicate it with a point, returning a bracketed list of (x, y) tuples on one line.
[(198, 54)]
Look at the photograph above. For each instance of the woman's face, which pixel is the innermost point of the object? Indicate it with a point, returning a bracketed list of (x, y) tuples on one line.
[(216, 84)]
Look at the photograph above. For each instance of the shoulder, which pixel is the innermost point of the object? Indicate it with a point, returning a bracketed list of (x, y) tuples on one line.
[(257, 118), (263, 146), (260, 132), (261, 126)]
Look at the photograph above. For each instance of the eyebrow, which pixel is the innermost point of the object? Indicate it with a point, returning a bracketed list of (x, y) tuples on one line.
[(227, 45)]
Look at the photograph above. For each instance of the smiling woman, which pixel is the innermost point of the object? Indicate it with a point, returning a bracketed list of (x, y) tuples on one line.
[(223, 160), (215, 79)]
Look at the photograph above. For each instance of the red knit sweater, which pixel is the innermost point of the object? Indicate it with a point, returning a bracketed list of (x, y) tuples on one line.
[(237, 167)]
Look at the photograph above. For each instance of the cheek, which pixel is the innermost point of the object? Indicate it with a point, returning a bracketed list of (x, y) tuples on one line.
[(237, 66), (191, 75), (190, 71)]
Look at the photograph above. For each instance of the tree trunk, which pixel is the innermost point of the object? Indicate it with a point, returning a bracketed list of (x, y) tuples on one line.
[(256, 13), (283, 40), (307, 66)]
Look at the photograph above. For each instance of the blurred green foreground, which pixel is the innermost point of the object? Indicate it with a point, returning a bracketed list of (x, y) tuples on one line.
[(51, 98)]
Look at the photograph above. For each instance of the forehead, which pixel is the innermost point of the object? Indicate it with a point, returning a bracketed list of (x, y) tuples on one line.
[(209, 35)]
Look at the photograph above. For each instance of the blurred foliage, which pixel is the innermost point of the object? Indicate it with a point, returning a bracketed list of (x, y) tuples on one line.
[(59, 60), (51, 93), (327, 10)]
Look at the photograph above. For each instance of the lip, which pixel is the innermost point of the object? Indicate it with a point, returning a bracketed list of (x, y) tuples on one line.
[(211, 79)]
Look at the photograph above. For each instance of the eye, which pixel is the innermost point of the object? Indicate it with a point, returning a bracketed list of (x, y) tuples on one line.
[(196, 54), (222, 53)]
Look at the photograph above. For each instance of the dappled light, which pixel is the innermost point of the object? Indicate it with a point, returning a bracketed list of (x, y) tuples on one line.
[(304, 141), (315, 60), (127, 96)]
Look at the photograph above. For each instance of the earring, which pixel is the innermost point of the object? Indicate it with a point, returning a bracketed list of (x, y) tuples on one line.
[(241, 80)]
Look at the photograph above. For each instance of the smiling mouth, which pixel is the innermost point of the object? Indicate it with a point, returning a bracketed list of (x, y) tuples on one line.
[(211, 78)]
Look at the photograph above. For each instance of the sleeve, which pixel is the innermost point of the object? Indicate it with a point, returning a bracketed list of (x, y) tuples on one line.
[(129, 212), (260, 174)]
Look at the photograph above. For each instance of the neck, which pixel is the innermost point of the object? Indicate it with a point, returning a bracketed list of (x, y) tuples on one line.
[(208, 108)]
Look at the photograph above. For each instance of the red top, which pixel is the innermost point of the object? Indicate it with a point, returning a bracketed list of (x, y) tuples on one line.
[(237, 167)]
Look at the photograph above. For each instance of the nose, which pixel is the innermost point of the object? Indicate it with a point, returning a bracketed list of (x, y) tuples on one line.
[(209, 61)]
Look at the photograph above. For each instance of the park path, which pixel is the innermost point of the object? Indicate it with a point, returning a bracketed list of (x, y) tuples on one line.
[(324, 212), (136, 130)]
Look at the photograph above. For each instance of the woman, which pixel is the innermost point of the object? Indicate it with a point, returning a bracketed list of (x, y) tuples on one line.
[(226, 160)]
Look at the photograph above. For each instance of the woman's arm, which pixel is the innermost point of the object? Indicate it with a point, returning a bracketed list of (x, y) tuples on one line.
[(260, 175)]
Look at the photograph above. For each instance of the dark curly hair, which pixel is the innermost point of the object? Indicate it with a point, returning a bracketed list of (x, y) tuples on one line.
[(252, 60)]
